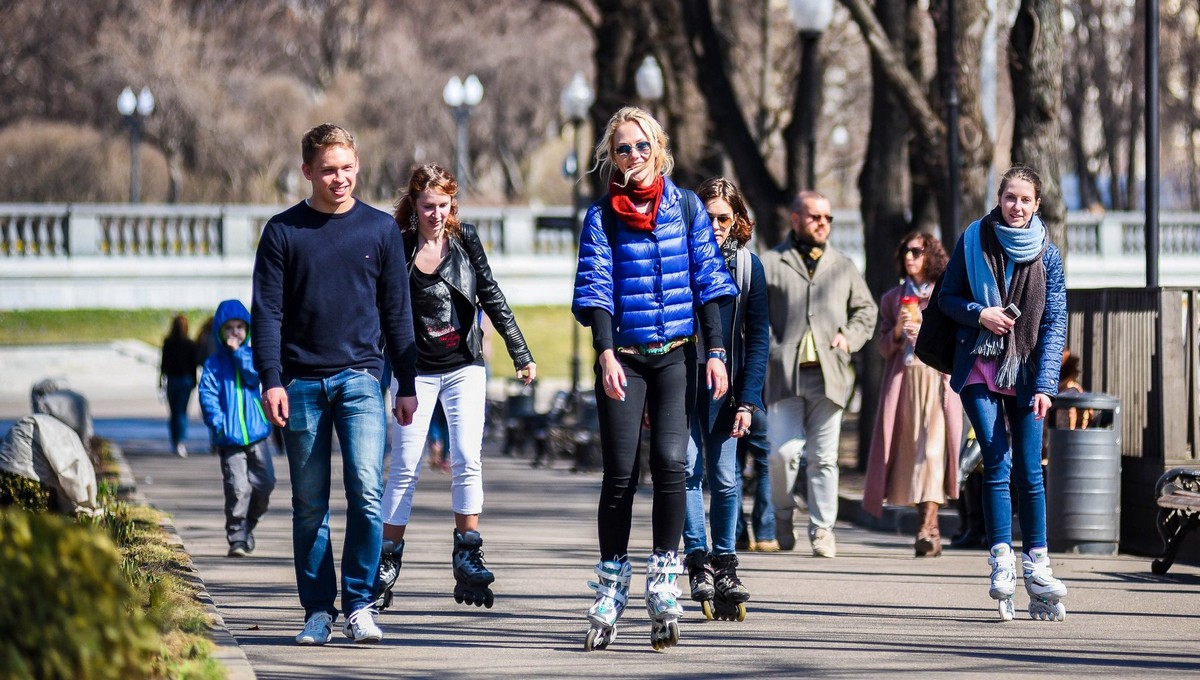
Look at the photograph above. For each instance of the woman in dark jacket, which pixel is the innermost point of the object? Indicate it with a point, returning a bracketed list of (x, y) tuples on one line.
[(449, 281), (1005, 288), (720, 423), (177, 373), (647, 262)]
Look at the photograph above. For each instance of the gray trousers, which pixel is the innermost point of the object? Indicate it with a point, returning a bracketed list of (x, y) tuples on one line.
[(249, 478), (807, 425)]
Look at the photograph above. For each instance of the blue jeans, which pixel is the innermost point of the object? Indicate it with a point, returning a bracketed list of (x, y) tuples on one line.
[(756, 447), (987, 412), (719, 462), (179, 393), (352, 404)]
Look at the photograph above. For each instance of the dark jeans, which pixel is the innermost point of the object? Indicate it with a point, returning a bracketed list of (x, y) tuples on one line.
[(249, 478), (755, 446), (179, 393), (662, 386)]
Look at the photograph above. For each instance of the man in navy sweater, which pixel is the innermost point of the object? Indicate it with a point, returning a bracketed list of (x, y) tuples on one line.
[(329, 274)]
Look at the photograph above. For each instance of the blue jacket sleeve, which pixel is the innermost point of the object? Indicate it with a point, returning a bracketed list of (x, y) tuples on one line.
[(956, 299), (593, 276), (209, 393), (1053, 328), (757, 337)]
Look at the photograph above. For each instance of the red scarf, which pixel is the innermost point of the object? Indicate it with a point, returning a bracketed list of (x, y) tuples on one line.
[(623, 198)]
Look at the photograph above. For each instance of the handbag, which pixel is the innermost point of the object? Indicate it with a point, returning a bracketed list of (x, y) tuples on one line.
[(937, 337)]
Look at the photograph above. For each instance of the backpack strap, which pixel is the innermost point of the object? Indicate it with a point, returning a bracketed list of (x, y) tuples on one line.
[(742, 264)]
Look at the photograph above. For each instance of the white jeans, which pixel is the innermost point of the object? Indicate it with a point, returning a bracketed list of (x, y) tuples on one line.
[(463, 394), (807, 424)]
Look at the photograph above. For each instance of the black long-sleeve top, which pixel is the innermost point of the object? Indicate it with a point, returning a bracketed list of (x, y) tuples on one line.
[(324, 286)]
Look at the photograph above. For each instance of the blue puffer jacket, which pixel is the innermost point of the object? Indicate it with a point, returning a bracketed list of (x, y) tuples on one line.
[(1040, 373), (650, 281), (229, 388)]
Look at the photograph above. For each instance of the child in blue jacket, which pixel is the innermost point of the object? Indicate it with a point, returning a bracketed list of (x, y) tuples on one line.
[(229, 398)]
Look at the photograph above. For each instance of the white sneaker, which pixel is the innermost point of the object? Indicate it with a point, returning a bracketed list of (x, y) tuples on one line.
[(318, 630), (823, 543), (181, 450), (361, 627)]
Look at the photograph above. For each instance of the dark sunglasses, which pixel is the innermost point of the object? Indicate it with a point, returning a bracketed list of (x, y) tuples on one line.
[(623, 150), (723, 220), (915, 252), (821, 218)]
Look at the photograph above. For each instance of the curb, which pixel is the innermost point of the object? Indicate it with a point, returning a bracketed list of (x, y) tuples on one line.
[(228, 652)]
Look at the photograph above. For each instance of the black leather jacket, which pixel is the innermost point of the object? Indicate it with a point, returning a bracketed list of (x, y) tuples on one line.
[(467, 273)]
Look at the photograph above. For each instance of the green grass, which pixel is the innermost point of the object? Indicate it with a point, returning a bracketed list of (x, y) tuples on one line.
[(546, 329)]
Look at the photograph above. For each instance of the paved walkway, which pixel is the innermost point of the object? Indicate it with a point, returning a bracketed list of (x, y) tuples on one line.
[(872, 611)]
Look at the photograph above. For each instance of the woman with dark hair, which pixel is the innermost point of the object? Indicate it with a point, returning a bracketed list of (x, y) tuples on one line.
[(913, 459), (449, 280), (1005, 288), (177, 373), (647, 262), (718, 424)]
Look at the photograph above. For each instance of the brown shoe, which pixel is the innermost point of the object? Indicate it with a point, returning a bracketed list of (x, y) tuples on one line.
[(766, 546)]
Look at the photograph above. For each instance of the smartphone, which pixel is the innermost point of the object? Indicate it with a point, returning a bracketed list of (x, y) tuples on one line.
[(1011, 311)]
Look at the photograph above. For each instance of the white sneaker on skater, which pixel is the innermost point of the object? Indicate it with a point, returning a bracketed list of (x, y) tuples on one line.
[(318, 630), (361, 627)]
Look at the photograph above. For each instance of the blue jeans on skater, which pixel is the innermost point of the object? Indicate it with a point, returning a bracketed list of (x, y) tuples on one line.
[(754, 446), (179, 393), (988, 413), (351, 404), (719, 462)]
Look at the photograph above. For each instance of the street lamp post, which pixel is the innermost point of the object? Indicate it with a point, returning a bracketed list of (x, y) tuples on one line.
[(574, 104), (462, 96), (648, 79), (135, 108), (811, 18)]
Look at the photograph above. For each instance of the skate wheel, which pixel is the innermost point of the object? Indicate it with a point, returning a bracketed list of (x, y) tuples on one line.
[(741, 612), (488, 599), (458, 597), (672, 633), (706, 607), (591, 643), (1006, 609)]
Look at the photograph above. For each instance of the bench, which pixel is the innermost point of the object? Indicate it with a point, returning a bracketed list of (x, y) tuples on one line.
[(1178, 498)]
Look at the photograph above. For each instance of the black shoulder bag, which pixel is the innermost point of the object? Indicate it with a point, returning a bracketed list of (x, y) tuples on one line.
[(936, 339)]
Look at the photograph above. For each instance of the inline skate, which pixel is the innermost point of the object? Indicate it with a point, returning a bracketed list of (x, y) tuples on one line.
[(1045, 591), (612, 592), (390, 559), (731, 594), (662, 603), (471, 577), (700, 577), (1004, 579)]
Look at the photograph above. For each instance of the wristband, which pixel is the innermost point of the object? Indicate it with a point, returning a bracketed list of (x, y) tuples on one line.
[(716, 354)]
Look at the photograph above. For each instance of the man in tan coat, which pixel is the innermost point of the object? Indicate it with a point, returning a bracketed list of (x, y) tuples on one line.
[(821, 312)]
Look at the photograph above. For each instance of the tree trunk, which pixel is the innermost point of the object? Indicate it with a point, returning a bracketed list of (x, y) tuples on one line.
[(1035, 65)]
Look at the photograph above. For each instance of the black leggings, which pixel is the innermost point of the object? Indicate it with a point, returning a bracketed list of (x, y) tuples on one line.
[(660, 384)]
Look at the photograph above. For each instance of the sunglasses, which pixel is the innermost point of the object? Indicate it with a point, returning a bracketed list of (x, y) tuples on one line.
[(915, 252), (821, 218), (643, 148), (723, 220)]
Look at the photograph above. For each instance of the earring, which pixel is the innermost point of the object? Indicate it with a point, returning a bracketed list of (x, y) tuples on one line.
[(412, 220)]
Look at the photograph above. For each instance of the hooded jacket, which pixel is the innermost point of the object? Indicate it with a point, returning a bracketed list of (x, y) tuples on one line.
[(650, 281), (229, 387)]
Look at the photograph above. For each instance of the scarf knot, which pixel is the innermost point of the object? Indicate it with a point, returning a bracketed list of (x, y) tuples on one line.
[(624, 198)]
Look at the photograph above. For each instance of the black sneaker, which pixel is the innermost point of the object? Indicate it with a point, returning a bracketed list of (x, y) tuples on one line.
[(238, 549)]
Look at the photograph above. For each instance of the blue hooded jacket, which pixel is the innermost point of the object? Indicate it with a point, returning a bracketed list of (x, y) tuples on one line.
[(651, 282), (229, 387)]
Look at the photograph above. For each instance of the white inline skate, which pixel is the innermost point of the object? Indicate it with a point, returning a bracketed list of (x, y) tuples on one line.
[(662, 598), (1004, 579), (612, 592), (1045, 591)]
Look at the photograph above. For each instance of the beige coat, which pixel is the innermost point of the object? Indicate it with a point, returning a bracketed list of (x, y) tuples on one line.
[(835, 299)]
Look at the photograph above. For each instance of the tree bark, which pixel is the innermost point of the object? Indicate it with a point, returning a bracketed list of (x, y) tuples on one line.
[(1035, 64)]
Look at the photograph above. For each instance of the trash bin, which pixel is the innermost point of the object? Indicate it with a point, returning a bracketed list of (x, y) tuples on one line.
[(1083, 477)]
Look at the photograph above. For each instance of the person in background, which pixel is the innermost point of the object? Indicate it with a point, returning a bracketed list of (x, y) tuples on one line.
[(1005, 288), (647, 261), (177, 374), (821, 312), (718, 424), (913, 458), (237, 425)]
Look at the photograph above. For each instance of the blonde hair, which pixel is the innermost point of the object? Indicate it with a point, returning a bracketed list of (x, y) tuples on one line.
[(660, 153), (324, 135)]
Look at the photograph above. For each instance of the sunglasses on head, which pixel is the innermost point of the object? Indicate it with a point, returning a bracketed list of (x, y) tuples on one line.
[(915, 252), (643, 147)]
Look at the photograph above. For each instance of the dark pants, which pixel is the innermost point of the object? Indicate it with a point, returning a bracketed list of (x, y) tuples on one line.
[(249, 478), (660, 385), (179, 393)]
